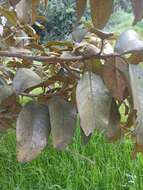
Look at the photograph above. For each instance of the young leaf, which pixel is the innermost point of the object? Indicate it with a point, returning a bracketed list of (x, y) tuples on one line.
[(80, 6), (32, 131), (128, 42), (24, 79), (63, 121), (93, 103), (138, 10), (136, 84), (101, 11)]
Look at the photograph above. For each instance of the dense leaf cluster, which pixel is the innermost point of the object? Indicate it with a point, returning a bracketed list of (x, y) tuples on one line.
[(86, 76)]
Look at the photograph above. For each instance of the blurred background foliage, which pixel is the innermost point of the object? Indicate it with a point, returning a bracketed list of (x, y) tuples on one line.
[(60, 19)]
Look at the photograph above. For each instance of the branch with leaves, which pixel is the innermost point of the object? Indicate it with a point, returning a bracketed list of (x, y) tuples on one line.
[(86, 76)]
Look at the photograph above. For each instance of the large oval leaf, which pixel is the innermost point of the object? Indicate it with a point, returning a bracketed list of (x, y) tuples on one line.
[(129, 41), (63, 121), (32, 131), (101, 11), (24, 79), (93, 103), (136, 84)]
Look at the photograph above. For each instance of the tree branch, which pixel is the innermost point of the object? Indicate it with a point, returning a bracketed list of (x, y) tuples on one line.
[(55, 59)]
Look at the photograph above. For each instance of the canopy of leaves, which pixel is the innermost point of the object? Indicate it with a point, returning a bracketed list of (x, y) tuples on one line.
[(86, 76)]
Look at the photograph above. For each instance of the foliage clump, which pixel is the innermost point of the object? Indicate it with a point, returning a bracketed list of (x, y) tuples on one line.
[(85, 76)]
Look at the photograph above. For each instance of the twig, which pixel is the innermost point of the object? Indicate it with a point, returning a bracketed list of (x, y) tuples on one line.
[(55, 59)]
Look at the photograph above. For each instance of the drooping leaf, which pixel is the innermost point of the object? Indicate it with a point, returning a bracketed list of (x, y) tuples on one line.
[(136, 84), (113, 130), (138, 10), (128, 42), (63, 121), (24, 79), (93, 103), (80, 6), (101, 11), (32, 131), (114, 78)]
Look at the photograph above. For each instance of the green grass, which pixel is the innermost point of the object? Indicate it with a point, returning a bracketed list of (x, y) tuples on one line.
[(53, 170)]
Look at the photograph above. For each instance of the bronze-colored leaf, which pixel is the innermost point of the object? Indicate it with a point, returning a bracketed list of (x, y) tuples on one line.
[(138, 10), (101, 11), (24, 79), (114, 79), (93, 103), (80, 6), (113, 130), (63, 121), (101, 34), (32, 131)]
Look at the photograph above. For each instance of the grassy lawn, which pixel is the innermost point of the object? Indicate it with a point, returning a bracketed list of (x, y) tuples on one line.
[(52, 170)]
